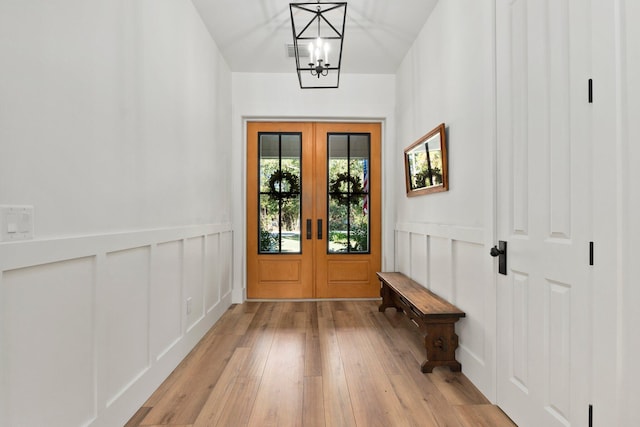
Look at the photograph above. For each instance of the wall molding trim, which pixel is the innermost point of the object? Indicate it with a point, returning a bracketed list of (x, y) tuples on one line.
[(108, 317), (52, 249), (454, 232)]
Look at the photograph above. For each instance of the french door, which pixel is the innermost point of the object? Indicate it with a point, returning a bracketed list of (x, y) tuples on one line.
[(313, 210), (544, 163)]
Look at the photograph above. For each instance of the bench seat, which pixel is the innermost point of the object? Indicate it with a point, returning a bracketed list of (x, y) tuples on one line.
[(435, 317)]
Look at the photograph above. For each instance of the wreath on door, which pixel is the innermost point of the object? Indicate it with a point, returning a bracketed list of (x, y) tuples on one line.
[(344, 180), (283, 185)]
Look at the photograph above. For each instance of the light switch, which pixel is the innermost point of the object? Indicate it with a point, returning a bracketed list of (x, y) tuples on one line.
[(24, 225), (16, 223)]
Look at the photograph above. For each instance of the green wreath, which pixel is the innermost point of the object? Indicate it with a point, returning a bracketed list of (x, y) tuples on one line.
[(342, 196), (423, 176), (279, 178)]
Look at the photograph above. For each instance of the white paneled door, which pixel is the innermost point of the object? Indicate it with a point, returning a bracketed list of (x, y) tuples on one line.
[(544, 175)]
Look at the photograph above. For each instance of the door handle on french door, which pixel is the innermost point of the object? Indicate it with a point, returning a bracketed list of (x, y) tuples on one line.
[(309, 232), (500, 251), (319, 229)]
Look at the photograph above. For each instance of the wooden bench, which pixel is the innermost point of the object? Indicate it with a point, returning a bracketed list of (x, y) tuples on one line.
[(434, 316)]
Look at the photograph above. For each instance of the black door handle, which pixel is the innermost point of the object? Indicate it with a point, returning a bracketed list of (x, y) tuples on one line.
[(495, 251), (309, 232), (500, 251), (319, 229)]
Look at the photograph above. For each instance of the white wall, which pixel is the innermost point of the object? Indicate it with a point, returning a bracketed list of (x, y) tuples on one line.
[(278, 97), (443, 239), (128, 96), (629, 202), (616, 206), (115, 126)]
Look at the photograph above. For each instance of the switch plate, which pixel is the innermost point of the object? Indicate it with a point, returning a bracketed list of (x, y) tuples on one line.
[(16, 223)]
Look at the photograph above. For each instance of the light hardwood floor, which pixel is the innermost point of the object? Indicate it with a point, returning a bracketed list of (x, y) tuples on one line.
[(329, 363)]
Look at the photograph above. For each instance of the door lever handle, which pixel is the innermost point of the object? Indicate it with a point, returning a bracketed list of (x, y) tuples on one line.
[(496, 252), (500, 251)]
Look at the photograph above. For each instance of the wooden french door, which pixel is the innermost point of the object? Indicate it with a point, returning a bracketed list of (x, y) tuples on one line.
[(313, 210), (544, 149)]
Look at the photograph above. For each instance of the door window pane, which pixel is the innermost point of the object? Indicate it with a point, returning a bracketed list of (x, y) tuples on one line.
[(348, 198), (280, 193)]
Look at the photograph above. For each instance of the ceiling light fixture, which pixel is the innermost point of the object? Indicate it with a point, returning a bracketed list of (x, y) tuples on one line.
[(318, 33)]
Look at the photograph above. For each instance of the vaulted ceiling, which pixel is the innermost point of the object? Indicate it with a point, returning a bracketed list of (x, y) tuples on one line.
[(253, 35)]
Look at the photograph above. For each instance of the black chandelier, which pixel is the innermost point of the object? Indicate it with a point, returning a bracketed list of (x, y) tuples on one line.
[(318, 33)]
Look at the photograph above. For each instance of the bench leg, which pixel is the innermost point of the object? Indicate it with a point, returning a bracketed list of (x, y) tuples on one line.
[(440, 343), (387, 299)]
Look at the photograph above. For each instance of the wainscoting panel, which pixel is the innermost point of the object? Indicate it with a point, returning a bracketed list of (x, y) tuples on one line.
[(92, 325), (166, 295), (420, 252), (403, 252), (212, 273), (194, 280), (454, 263), (470, 290), (226, 264), (48, 344), (127, 314), (440, 267)]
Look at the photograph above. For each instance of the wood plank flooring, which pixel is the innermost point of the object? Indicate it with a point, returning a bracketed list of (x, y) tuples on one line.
[(328, 363)]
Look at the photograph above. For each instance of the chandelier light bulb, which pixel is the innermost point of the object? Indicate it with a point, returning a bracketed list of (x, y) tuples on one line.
[(326, 53), (311, 53)]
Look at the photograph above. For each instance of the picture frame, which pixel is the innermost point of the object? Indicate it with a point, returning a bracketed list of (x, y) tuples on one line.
[(426, 163)]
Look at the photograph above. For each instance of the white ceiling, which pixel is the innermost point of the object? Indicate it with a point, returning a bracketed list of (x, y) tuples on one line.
[(252, 35)]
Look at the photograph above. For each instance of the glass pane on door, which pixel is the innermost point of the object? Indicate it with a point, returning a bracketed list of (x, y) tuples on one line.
[(280, 192), (348, 193)]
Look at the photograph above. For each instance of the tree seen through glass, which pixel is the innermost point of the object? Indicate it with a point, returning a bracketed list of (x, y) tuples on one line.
[(280, 192), (348, 198)]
